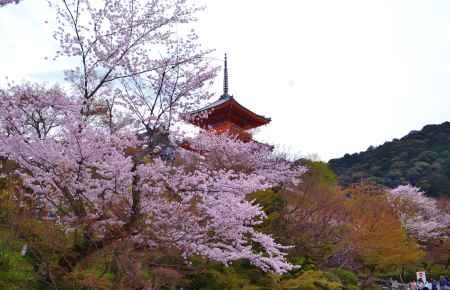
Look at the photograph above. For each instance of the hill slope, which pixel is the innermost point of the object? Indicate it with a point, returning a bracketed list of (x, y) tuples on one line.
[(421, 158)]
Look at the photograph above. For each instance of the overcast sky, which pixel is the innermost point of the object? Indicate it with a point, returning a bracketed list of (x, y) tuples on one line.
[(335, 76)]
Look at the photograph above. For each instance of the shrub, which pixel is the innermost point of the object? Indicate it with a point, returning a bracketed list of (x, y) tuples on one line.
[(348, 279), (311, 280), (15, 271)]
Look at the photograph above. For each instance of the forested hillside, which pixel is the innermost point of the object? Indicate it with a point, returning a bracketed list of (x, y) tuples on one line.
[(421, 158)]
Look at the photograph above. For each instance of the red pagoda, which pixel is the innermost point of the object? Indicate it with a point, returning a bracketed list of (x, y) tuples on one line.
[(226, 115)]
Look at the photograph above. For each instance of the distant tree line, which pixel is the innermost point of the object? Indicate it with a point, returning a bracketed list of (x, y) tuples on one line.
[(422, 158)]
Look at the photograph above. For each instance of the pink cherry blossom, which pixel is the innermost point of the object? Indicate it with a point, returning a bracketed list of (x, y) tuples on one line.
[(418, 213), (94, 157)]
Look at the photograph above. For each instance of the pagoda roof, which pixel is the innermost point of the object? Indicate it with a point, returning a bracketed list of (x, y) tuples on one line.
[(226, 112), (226, 108)]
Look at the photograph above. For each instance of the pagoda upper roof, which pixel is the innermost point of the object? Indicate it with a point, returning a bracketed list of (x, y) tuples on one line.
[(226, 109)]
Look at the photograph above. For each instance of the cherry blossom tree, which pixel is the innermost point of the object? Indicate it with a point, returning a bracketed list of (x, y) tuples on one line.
[(418, 213), (131, 57), (83, 176), (82, 161), (32, 109)]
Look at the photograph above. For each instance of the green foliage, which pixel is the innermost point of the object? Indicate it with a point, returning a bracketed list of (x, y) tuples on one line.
[(422, 158), (270, 200), (216, 280), (240, 275), (15, 271), (348, 279), (312, 280), (320, 172), (273, 203)]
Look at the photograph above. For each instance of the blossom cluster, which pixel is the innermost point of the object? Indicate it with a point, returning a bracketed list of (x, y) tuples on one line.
[(418, 213), (197, 203)]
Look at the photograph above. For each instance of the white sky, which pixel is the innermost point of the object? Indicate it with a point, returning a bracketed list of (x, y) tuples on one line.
[(334, 76)]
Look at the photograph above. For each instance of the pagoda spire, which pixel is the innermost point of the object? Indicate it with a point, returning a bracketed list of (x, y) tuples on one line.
[(226, 114), (225, 77)]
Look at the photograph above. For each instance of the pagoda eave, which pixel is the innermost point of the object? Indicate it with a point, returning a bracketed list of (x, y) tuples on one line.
[(228, 109)]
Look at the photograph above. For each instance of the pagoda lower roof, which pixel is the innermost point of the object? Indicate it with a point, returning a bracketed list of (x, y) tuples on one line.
[(226, 109)]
